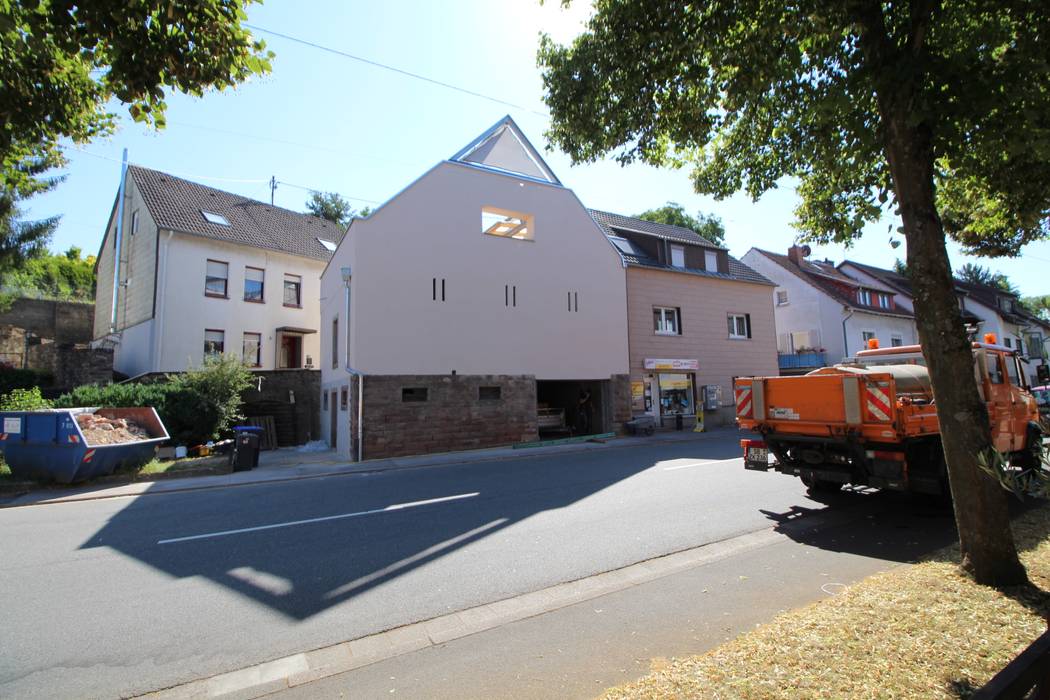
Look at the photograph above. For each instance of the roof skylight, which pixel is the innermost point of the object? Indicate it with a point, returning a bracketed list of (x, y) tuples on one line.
[(213, 218), (327, 244)]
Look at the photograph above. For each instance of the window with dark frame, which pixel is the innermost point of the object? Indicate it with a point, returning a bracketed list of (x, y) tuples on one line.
[(251, 349), (214, 343), (254, 282), (134, 222), (490, 393), (414, 394), (666, 320), (782, 297), (324, 400), (293, 290), (739, 326), (216, 278), (335, 343)]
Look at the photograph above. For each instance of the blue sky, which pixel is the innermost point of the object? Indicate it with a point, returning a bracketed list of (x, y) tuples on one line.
[(325, 122)]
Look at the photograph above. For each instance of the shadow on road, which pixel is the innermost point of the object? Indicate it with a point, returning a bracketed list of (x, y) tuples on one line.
[(867, 522), (350, 542)]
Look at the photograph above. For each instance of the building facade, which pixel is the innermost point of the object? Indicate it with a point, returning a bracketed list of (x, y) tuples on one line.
[(823, 315), (697, 319), (204, 272), (482, 305)]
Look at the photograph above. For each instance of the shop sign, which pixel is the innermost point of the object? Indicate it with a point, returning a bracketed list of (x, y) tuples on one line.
[(637, 390), (651, 363)]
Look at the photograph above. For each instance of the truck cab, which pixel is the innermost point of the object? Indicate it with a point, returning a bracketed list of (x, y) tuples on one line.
[(872, 419)]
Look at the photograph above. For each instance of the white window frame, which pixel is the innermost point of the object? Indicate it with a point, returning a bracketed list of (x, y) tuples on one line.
[(665, 312), (738, 320), (783, 302), (711, 261), (896, 340), (678, 251), (864, 297)]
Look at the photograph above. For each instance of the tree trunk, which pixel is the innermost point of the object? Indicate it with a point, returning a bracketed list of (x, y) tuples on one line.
[(981, 515)]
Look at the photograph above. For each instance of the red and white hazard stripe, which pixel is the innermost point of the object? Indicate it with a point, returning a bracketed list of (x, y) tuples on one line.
[(743, 402), (88, 455), (878, 401)]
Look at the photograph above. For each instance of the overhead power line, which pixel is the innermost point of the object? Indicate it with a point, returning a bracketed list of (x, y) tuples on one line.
[(401, 71), (320, 191)]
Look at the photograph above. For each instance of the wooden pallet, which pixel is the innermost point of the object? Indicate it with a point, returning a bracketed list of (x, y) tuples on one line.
[(269, 434)]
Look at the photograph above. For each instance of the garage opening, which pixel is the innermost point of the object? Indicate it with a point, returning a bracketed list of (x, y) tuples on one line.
[(570, 407)]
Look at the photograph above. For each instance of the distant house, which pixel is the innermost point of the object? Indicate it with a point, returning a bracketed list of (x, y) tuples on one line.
[(823, 315), (203, 272), (696, 318), (479, 306), (985, 309)]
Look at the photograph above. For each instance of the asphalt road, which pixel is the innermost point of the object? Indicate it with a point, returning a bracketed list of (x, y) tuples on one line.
[(117, 597)]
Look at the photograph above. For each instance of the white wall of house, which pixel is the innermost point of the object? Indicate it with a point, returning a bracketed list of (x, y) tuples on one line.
[(812, 315), (184, 312), (133, 356), (432, 231)]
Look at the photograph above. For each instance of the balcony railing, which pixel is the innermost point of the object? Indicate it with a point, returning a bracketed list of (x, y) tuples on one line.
[(802, 360)]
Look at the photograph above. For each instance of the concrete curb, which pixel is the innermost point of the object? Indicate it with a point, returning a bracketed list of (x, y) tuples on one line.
[(143, 488), (297, 669)]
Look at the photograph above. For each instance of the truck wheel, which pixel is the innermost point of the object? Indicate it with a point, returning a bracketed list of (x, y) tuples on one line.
[(1031, 457)]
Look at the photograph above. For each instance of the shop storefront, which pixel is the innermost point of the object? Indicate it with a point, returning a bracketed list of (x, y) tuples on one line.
[(668, 388)]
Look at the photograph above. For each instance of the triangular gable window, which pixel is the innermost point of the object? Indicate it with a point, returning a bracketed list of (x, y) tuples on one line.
[(505, 148)]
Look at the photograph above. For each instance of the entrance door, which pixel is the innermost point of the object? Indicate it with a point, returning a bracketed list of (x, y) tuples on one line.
[(333, 430), (291, 352), (676, 394)]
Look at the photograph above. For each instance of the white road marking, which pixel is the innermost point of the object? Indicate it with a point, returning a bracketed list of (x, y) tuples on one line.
[(341, 516), (701, 464)]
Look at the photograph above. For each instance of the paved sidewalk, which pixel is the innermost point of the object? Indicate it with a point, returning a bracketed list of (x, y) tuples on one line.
[(288, 464)]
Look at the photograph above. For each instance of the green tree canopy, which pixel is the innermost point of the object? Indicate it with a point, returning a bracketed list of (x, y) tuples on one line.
[(67, 276), (938, 110), (20, 239), (707, 225), (978, 274), (331, 206), (61, 63), (1038, 305)]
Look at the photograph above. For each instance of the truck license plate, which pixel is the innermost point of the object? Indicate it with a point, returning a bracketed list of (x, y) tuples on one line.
[(757, 458)]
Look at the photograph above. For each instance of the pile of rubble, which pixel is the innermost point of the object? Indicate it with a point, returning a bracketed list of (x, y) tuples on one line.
[(99, 430)]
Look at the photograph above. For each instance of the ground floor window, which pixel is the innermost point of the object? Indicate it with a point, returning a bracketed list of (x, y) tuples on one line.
[(214, 343), (896, 341), (251, 348)]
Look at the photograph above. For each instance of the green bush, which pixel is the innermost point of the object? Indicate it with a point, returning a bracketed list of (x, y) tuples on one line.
[(199, 405), (24, 400)]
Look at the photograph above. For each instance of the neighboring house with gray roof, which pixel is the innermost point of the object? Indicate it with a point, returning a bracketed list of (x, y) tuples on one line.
[(823, 315), (203, 271), (696, 318)]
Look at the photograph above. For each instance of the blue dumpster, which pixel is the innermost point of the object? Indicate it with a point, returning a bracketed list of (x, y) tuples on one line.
[(49, 445)]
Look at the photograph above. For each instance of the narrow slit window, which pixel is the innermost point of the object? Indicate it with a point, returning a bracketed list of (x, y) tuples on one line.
[(506, 224), (335, 343)]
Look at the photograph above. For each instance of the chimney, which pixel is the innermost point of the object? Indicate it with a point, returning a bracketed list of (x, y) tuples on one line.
[(797, 254)]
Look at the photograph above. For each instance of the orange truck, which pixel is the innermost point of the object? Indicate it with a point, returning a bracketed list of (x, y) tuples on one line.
[(872, 420)]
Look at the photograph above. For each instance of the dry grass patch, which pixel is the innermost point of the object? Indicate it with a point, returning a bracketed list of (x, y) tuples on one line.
[(920, 631)]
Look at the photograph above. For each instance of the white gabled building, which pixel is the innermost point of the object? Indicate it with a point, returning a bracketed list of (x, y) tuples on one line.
[(203, 271), (823, 315), (480, 304)]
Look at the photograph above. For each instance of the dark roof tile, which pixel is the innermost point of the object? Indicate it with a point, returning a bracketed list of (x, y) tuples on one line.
[(177, 204)]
